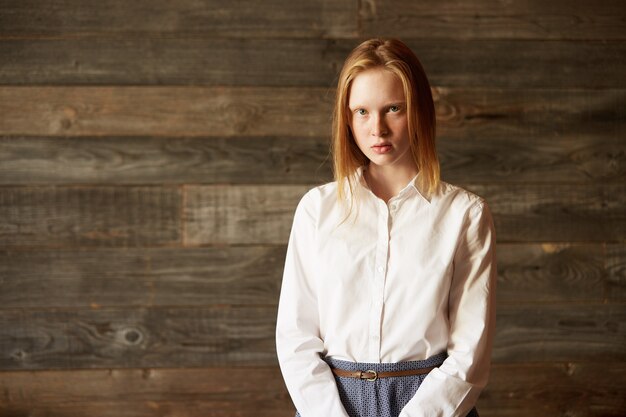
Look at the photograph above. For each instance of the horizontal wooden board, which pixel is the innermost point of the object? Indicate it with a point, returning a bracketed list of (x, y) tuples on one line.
[(551, 120), (158, 160), (137, 337), (462, 19), (554, 332), (104, 216), (452, 20), (191, 60), (214, 18), (558, 389), (141, 277), (575, 389), (470, 155), (616, 268), (524, 213), (165, 111), (251, 275), (245, 336)]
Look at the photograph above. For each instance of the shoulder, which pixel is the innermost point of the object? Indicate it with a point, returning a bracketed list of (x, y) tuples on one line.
[(318, 199), (458, 199)]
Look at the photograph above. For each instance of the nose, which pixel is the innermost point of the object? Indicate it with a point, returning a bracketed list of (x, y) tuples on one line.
[(379, 126)]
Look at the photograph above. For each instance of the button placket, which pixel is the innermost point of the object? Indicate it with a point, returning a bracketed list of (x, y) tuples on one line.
[(380, 270)]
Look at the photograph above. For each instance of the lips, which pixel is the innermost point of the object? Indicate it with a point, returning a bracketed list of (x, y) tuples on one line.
[(381, 148)]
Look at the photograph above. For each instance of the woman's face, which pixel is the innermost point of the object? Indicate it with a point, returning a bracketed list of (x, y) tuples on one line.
[(378, 118)]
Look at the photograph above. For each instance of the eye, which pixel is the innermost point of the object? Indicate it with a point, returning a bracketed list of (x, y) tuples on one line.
[(361, 112), (394, 109)]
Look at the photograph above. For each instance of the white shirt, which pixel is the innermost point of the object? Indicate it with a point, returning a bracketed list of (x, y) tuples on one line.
[(404, 281)]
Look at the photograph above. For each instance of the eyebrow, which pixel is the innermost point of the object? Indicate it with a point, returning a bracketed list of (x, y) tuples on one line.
[(391, 103)]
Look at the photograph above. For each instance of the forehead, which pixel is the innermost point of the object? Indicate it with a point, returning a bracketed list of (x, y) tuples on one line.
[(375, 86)]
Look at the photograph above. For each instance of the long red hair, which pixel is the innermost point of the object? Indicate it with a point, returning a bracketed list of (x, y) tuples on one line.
[(395, 56)]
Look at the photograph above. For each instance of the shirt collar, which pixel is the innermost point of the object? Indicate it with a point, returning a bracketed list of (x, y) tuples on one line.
[(413, 183)]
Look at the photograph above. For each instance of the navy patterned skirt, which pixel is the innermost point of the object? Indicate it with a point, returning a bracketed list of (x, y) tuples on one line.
[(385, 397)]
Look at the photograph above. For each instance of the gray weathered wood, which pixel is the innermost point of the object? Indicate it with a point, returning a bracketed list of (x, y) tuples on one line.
[(137, 337), (251, 275), (165, 111), (245, 336), (141, 277), (577, 389), (616, 271), (552, 332), (472, 154), (175, 60), (462, 19), (555, 389), (90, 216), (206, 18), (216, 392), (156, 160), (523, 213), (557, 273)]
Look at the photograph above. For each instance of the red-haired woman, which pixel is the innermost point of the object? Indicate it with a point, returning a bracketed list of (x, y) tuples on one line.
[(387, 306)]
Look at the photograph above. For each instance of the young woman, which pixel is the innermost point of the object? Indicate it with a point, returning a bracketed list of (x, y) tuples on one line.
[(387, 306)]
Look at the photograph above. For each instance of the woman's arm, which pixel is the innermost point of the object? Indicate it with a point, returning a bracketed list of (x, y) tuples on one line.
[(453, 388), (309, 380)]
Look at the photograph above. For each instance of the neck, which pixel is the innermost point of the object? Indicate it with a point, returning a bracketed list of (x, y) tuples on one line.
[(386, 182)]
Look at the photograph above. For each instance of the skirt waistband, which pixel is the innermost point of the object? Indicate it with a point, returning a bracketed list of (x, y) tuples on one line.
[(434, 360)]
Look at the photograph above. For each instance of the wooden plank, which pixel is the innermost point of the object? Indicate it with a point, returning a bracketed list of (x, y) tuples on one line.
[(171, 160), (552, 273), (251, 275), (137, 337), (241, 19), (141, 277), (557, 213), (553, 332), (458, 19), (469, 155), (165, 111), (524, 213), (548, 119), (90, 216), (616, 271), (555, 389), (190, 60), (239, 214), (218, 392), (590, 389), (245, 336)]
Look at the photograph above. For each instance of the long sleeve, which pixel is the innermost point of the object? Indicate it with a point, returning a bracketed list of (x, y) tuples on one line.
[(309, 380), (453, 389)]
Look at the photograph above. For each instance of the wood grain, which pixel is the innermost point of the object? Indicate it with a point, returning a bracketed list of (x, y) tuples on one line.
[(465, 157), (141, 277), (524, 213), (552, 120), (206, 18), (105, 216), (553, 332), (459, 19), (159, 160), (245, 336), (251, 275), (574, 389), (165, 111), (137, 337), (555, 389), (176, 60)]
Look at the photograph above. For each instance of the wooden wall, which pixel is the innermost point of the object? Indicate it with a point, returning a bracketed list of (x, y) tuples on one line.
[(152, 153)]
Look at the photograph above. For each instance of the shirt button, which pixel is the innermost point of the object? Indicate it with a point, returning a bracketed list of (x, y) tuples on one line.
[(381, 269)]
